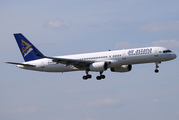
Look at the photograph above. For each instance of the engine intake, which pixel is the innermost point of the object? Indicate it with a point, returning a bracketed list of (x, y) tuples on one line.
[(98, 66)]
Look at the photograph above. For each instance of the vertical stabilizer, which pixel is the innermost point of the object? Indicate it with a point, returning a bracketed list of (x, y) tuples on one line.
[(27, 49)]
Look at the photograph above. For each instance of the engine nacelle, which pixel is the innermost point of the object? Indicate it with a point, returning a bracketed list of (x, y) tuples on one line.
[(122, 68), (98, 66)]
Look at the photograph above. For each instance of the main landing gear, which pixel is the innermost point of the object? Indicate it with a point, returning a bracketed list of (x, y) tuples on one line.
[(157, 66), (100, 77), (88, 76)]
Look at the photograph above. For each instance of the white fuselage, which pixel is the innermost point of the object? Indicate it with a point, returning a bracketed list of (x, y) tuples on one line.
[(114, 58)]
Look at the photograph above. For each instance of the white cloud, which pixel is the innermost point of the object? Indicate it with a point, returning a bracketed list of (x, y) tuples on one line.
[(177, 112), (161, 26), (122, 45), (72, 91), (155, 101), (28, 110), (59, 118), (113, 22), (57, 24), (69, 107), (107, 101), (20, 110), (166, 43), (110, 23), (87, 119), (163, 43)]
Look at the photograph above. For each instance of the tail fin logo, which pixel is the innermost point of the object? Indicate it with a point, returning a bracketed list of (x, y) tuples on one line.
[(25, 46)]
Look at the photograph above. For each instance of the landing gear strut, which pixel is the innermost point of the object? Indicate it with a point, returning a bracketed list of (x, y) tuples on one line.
[(100, 77), (87, 76), (156, 70)]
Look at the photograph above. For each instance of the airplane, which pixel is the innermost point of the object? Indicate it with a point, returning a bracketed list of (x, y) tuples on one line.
[(116, 61)]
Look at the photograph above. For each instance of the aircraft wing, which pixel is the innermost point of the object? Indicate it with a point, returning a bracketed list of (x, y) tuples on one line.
[(80, 64)]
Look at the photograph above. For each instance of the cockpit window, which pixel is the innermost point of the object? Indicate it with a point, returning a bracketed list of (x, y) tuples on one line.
[(167, 51)]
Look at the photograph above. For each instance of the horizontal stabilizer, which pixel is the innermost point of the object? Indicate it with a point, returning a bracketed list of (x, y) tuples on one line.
[(28, 65)]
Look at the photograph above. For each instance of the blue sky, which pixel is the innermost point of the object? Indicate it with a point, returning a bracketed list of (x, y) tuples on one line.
[(59, 27)]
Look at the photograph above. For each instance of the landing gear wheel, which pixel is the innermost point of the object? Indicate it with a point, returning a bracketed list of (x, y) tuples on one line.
[(85, 77), (98, 77), (156, 70), (102, 76), (89, 76)]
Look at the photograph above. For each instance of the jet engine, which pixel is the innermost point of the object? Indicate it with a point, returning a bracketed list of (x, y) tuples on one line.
[(122, 68), (98, 66)]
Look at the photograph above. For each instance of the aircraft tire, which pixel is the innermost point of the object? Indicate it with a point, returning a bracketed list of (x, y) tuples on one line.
[(98, 77), (85, 77), (89, 76), (102, 76), (156, 70)]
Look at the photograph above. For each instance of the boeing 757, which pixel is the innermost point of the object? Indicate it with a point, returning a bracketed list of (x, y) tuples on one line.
[(116, 61)]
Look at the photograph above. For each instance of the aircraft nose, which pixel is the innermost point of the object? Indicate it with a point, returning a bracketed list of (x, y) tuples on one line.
[(174, 56)]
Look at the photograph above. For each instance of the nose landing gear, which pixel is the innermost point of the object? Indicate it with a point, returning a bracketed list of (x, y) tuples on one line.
[(157, 66), (156, 70)]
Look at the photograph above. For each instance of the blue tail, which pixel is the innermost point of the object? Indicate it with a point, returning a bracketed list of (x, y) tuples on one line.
[(27, 49)]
